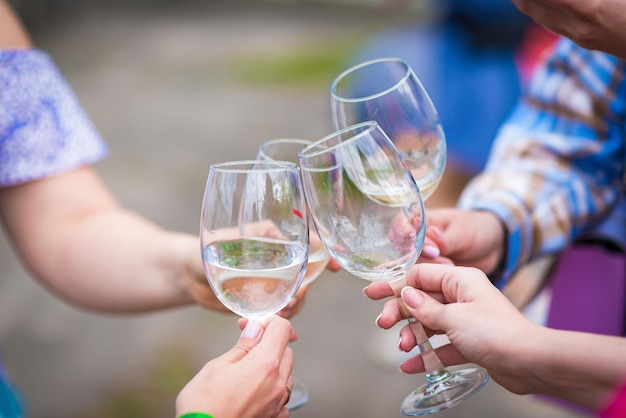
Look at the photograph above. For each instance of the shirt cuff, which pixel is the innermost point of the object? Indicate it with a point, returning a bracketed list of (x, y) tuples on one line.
[(518, 231)]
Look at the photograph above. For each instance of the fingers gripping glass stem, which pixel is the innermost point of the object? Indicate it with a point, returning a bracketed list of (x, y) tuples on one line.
[(435, 371), (443, 389)]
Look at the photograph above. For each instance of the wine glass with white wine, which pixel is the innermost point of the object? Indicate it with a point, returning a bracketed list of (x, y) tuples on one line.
[(254, 235), (286, 149), (370, 216), (388, 91)]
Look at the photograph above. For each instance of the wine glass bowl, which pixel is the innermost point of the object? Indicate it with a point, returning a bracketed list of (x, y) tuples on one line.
[(370, 216), (365, 204), (388, 91), (254, 235), (286, 149)]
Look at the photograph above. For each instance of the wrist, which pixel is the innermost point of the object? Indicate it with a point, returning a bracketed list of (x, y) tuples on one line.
[(188, 266), (528, 358)]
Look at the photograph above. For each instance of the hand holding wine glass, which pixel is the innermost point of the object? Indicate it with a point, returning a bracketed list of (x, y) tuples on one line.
[(387, 91), (254, 236), (370, 216)]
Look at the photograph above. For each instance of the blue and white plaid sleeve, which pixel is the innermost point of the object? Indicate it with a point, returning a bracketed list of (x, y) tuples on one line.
[(43, 129), (557, 164)]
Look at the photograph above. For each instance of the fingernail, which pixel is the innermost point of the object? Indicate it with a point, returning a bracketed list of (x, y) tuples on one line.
[(377, 319), (364, 291), (412, 297), (400, 343), (252, 329), (431, 251)]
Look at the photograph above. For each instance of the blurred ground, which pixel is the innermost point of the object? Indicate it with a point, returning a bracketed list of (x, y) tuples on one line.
[(174, 89)]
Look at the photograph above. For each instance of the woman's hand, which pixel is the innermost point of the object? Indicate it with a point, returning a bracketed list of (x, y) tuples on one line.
[(251, 380), (482, 325), (466, 238)]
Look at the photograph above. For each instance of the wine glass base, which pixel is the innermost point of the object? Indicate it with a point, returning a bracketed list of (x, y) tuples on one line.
[(434, 397), (299, 396)]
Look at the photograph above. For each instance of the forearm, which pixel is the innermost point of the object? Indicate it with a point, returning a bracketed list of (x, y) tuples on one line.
[(116, 261), (582, 368), (76, 239)]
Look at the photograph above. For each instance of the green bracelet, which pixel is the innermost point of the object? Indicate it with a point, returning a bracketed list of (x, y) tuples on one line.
[(195, 415)]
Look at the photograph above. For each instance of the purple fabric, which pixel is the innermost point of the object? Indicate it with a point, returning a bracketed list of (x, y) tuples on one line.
[(589, 291), (43, 128), (588, 285)]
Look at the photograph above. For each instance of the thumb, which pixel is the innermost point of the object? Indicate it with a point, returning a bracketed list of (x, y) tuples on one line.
[(250, 337), (424, 308)]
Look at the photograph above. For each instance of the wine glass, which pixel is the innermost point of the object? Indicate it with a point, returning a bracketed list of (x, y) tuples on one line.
[(254, 235), (370, 216), (286, 149), (387, 91)]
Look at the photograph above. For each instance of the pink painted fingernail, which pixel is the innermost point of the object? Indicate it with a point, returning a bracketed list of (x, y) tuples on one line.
[(431, 251), (412, 297), (252, 329)]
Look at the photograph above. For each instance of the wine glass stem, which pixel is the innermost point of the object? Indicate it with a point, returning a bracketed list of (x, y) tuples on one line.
[(435, 371)]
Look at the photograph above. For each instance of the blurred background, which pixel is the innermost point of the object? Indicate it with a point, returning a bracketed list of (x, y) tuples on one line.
[(174, 87)]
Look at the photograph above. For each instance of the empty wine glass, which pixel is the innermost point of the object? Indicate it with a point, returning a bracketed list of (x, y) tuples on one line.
[(387, 91), (370, 216), (286, 149)]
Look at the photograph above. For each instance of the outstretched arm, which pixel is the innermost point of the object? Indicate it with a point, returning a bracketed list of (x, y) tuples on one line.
[(66, 226), (72, 234)]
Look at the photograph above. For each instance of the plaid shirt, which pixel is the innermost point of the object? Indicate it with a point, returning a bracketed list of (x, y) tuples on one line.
[(557, 165)]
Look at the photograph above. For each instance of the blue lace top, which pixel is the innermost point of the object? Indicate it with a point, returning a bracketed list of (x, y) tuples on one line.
[(43, 129)]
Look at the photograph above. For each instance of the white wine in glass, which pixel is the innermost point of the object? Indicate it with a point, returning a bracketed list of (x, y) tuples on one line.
[(387, 91), (286, 149), (370, 216)]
